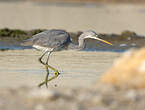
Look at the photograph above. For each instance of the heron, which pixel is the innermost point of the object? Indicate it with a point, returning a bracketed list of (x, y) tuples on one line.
[(56, 39)]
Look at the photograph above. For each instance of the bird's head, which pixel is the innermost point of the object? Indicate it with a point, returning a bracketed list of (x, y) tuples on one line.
[(92, 35)]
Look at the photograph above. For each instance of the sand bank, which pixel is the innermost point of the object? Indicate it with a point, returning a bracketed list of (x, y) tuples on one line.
[(78, 68)]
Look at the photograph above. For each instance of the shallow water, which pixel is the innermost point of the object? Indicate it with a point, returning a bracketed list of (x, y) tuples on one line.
[(77, 68), (12, 45), (91, 46)]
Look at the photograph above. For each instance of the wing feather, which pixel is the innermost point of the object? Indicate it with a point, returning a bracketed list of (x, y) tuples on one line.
[(51, 38)]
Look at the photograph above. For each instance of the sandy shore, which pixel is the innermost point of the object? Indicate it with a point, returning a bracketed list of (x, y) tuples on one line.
[(78, 68), (103, 18), (77, 87)]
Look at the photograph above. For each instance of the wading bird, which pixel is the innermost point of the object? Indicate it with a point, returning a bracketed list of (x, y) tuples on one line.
[(53, 40)]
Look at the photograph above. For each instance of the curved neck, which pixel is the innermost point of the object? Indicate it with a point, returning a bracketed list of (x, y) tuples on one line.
[(80, 46), (81, 42)]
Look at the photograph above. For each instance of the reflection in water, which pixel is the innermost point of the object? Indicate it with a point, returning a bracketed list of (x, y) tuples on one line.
[(77, 68)]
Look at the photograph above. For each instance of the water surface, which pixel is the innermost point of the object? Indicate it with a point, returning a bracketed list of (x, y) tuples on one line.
[(77, 68)]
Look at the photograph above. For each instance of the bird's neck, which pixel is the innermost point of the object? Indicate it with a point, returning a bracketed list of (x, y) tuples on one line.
[(81, 43), (80, 46)]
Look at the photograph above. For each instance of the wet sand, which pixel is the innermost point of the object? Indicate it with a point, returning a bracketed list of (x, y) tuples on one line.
[(78, 68), (76, 89)]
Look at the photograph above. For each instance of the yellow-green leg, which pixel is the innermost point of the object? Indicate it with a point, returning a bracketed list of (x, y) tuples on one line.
[(47, 74), (47, 70), (46, 78)]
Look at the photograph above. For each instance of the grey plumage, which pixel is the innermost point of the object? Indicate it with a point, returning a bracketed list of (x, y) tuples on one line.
[(58, 39), (52, 40)]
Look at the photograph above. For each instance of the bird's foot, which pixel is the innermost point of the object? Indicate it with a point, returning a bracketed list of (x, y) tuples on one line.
[(56, 73)]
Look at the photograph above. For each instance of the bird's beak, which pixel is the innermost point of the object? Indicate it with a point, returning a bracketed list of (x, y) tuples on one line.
[(96, 37)]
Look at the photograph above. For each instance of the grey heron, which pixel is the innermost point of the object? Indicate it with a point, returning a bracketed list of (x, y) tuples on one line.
[(55, 39)]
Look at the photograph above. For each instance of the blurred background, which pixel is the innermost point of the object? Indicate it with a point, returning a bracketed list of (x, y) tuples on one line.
[(103, 16)]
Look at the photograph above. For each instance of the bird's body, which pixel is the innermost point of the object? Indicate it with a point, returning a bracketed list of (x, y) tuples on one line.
[(53, 40), (50, 39)]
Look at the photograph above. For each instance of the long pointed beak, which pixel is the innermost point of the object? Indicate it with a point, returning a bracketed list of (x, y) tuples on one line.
[(103, 40)]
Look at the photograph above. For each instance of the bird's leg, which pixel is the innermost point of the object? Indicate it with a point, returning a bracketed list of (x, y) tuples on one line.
[(40, 60), (47, 74), (56, 75), (48, 66), (48, 56)]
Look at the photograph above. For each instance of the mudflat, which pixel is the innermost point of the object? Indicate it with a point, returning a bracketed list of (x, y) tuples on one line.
[(77, 68)]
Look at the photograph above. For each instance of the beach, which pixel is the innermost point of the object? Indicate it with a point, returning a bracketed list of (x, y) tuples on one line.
[(77, 68)]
